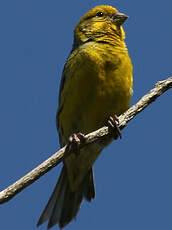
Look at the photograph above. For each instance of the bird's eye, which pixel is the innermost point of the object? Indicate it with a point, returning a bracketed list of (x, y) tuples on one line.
[(100, 14)]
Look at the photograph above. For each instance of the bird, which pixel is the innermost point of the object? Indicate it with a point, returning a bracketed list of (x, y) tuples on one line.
[(97, 83)]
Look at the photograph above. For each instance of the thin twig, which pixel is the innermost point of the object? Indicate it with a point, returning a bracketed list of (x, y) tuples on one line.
[(95, 136)]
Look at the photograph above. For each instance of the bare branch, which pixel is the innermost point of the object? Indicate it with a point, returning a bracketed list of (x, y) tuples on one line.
[(95, 137)]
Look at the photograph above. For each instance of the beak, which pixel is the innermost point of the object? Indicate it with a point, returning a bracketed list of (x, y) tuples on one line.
[(119, 18)]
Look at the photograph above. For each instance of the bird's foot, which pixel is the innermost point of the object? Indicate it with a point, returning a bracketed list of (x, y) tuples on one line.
[(113, 124), (75, 140)]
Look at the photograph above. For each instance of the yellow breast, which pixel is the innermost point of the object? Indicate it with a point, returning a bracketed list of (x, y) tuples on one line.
[(98, 84)]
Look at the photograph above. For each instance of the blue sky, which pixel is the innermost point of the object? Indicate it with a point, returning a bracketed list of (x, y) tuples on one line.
[(133, 175)]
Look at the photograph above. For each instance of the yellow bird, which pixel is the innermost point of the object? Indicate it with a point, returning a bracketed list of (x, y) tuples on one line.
[(97, 83)]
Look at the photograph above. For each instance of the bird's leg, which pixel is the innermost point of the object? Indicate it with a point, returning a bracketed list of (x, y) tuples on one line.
[(75, 140), (113, 124)]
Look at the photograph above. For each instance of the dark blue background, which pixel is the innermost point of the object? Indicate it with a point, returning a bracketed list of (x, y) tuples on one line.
[(133, 175)]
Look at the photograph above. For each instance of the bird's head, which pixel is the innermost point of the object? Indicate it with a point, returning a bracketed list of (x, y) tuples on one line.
[(101, 24)]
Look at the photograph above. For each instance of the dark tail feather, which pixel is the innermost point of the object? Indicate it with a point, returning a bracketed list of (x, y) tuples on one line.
[(89, 188), (58, 190), (64, 204)]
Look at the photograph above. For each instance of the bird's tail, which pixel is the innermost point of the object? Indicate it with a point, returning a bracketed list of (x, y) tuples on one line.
[(64, 204)]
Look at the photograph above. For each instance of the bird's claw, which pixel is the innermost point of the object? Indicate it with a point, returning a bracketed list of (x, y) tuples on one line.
[(75, 140), (113, 124)]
